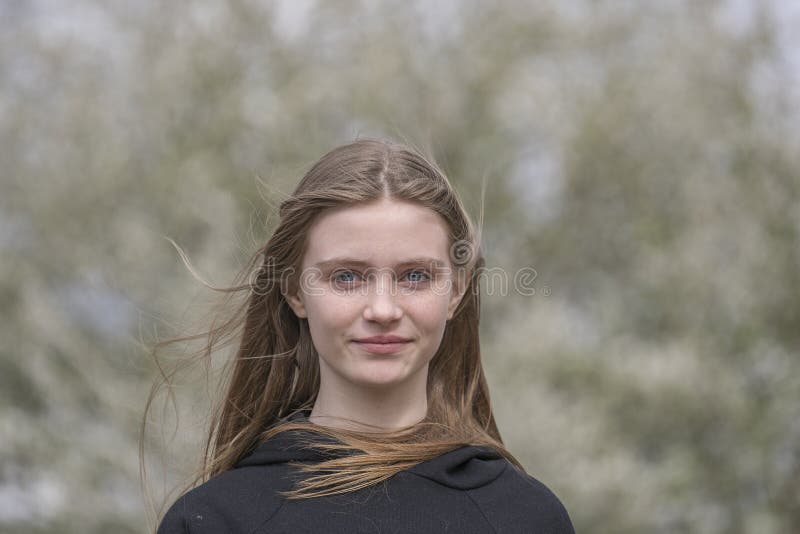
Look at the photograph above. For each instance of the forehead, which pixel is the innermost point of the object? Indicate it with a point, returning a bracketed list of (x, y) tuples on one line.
[(380, 233)]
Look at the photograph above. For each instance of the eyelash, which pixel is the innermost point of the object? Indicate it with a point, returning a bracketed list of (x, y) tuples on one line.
[(334, 276)]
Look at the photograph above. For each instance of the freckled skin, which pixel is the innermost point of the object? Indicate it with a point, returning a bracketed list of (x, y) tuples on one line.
[(345, 302)]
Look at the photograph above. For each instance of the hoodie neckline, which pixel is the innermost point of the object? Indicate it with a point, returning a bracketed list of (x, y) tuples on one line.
[(467, 467)]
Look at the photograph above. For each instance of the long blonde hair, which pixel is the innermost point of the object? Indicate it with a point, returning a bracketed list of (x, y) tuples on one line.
[(275, 371)]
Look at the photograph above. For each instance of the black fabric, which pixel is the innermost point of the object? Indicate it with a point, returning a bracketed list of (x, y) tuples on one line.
[(471, 490)]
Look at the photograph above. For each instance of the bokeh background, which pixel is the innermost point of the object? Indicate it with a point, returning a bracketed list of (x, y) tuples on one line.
[(642, 157)]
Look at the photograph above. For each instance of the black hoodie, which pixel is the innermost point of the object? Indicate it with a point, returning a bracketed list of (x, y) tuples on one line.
[(468, 490)]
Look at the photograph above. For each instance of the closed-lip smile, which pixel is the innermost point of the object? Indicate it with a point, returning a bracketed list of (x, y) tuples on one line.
[(383, 339)]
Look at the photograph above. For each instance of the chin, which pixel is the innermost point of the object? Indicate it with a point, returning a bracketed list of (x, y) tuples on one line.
[(380, 379), (381, 374)]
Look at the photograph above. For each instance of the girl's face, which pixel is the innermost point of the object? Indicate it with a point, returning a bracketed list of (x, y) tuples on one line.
[(376, 289)]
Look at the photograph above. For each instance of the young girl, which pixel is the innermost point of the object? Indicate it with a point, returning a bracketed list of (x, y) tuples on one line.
[(357, 401)]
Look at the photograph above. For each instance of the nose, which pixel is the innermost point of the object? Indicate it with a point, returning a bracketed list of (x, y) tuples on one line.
[(381, 305)]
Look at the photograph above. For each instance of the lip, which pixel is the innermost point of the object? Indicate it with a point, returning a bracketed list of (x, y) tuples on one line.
[(387, 338), (382, 344), (382, 348)]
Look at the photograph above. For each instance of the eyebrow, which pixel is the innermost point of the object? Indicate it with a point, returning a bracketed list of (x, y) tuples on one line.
[(333, 262)]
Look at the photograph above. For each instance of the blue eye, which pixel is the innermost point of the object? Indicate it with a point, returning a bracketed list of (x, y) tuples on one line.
[(418, 275), (344, 277)]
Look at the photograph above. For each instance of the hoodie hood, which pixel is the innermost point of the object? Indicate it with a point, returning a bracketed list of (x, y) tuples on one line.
[(467, 467)]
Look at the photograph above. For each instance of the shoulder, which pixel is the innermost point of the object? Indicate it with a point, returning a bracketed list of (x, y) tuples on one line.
[(238, 500), (517, 498)]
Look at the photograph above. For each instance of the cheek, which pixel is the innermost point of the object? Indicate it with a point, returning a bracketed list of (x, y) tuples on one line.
[(432, 313), (329, 317)]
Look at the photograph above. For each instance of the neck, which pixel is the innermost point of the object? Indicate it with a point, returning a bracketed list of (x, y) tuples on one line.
[(342, 404)]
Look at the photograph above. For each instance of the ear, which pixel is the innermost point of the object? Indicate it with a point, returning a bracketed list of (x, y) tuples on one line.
[(296, 304)]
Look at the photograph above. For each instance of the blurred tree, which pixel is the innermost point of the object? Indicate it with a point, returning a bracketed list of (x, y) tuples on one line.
[(643, 158)]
